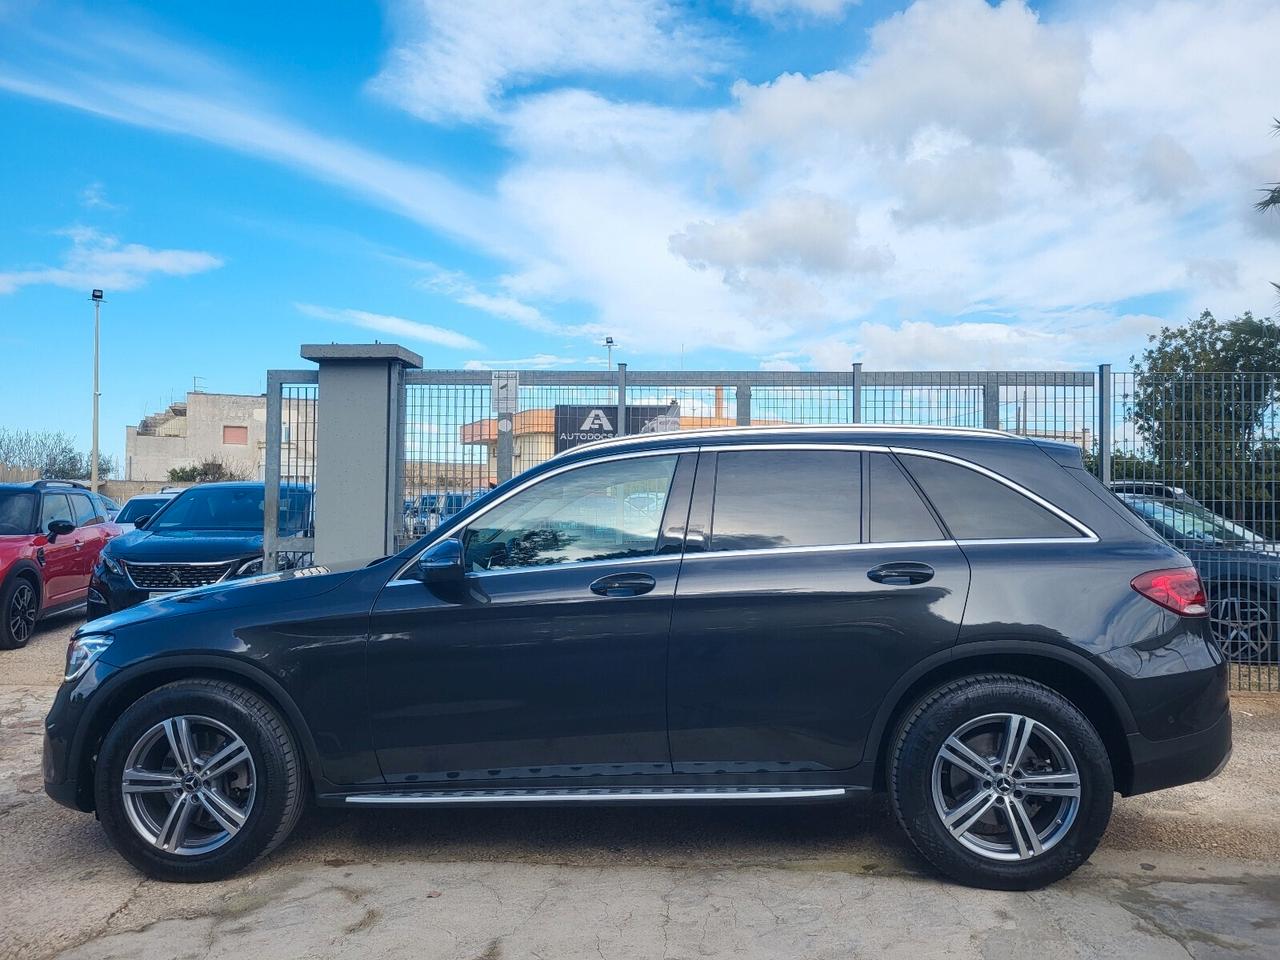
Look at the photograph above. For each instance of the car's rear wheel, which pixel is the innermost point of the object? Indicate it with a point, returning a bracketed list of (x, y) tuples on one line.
[(1243, 624), (1000, 782), (197, 780), (19, 609)]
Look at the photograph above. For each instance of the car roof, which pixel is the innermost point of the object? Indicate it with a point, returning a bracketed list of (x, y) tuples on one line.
[(879, 434)]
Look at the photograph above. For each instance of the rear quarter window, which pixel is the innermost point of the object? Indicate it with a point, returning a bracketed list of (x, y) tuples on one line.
[(976, 507)]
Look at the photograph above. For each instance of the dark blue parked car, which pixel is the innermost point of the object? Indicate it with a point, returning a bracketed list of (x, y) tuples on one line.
[(1240, 568)]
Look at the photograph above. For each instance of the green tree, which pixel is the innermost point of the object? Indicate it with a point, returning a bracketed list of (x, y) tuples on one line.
[(1204, 402), (209, 471)]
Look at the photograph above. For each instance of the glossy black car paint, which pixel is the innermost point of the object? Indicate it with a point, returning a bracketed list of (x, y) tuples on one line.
[(787, 670)]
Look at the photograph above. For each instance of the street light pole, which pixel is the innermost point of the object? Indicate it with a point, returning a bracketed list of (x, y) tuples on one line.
[(97, 327)]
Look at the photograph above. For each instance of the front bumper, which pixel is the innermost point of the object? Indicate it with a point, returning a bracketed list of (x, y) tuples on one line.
[(1158, 764), (109, 592)]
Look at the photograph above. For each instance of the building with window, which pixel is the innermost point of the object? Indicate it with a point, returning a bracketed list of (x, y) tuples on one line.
[(230, 428)]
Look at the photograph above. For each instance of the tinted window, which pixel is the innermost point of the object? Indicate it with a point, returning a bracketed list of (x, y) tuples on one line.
[(583, 514), (976, 507), (896, 511), (213, 508), (786, 498), (140, 507), (86, 510), (54, 507), (17, 512)]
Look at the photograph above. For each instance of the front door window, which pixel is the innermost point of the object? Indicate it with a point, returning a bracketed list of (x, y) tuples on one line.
[(605, 511)]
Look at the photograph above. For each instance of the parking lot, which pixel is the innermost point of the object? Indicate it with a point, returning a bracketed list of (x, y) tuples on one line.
[(1193, 871)]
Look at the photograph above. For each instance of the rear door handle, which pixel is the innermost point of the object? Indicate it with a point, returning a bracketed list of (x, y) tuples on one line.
[(623, 585), (901, 573)]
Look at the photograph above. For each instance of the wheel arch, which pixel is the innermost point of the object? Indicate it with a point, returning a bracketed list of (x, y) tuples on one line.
[(131, 684), (1063, 671), (28, 568)]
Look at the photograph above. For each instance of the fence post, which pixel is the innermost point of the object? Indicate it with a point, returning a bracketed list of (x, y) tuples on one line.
[(991, 402), (271, 475), (1104, 422), (622, 401), (742, 394), (856, 412), (357, 499)]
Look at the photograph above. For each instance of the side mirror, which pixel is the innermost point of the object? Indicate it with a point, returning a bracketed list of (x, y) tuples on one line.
[(60, 528), (141, 521), (442, 563)]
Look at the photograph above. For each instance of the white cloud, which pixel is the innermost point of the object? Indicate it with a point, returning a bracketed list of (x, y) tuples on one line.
[(539, 361), (100, 260), (778, 9), (396, 326), (94, 197), (808, 231), (456, 60)]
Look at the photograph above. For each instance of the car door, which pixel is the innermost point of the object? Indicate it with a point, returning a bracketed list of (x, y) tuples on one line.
[(813, 578), (89, 537), (548, 659), (61, 560)]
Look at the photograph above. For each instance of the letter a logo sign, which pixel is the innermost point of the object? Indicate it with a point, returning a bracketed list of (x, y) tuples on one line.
[(596, 420)]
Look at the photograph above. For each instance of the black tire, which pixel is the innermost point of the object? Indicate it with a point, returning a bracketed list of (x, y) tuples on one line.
[(18, 625), (921, 777), (275, 770)]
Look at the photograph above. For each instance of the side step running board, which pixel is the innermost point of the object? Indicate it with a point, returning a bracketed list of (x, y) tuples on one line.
[(432, 798)]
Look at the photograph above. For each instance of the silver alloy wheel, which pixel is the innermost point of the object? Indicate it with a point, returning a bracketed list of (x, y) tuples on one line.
[(189, 785), (1006, 787), (1243, 628), (22, 613)]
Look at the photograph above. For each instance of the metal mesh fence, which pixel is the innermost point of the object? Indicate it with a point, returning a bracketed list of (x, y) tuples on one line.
[(289, 472), (1197, 456)]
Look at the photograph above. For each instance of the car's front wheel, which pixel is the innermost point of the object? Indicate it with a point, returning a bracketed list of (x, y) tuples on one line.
[(198, 779), (1000, 782)]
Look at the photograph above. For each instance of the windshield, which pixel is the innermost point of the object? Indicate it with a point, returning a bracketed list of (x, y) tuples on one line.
[(1185, 520), (140, 507), (17, 512), (231, 508)]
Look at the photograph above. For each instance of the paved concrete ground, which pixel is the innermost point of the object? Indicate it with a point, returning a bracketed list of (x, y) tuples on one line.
[(1193, 872)]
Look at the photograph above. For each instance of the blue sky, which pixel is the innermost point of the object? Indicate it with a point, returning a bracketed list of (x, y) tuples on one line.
[(736, 184)]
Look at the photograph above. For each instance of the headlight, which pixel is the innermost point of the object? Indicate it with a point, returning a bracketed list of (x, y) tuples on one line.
[(82, 652), (110, 564), (250, 567)]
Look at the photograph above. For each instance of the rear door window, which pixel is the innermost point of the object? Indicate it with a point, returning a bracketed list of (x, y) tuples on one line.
[(85, 509), (54, 507), (976, 507), (786, 498), (895, 510)]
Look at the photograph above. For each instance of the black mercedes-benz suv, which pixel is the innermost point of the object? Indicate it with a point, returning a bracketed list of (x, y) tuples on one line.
[(965, 619), (206, 534)]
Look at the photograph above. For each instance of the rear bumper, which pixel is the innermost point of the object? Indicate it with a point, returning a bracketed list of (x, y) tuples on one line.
[(1158, 764)]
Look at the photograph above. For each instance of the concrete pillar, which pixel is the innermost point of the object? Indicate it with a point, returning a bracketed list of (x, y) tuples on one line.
[(359, 436)]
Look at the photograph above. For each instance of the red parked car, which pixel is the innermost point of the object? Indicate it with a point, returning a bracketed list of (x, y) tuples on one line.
[(51, 532)]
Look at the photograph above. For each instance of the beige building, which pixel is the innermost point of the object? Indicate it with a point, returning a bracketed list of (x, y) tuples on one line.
[(228, 427)]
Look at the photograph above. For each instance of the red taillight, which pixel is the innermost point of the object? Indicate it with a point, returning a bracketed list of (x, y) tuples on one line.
[(1178, 590)]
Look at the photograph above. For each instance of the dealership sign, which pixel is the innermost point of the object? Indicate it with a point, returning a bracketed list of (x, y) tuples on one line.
[(582, 424)]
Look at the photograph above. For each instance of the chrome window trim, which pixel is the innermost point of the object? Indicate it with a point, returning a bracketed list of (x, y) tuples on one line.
[(1087, 534), (819, 548)]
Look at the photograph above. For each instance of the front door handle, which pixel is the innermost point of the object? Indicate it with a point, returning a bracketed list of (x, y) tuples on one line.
[(623, 585), (79, 544), (901, 573)]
